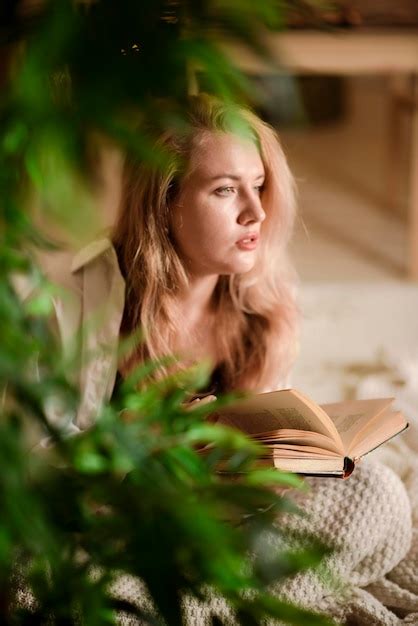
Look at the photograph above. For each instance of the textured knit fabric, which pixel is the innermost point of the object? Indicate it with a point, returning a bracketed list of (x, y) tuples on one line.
[(368, 520), (370, 579)]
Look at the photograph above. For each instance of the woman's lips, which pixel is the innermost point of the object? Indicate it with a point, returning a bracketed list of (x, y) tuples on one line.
[(249, 242)]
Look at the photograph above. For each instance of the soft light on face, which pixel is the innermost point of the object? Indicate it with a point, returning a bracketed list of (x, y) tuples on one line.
[(217, 218)]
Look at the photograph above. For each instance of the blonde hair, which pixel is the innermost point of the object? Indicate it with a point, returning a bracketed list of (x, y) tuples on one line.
[(256, 315)]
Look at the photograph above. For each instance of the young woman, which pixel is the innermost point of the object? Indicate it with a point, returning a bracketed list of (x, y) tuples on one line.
[(198, 263), (201, 245), (202, 248)]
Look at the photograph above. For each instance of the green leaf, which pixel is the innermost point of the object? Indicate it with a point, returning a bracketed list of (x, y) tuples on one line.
[(276, 477)]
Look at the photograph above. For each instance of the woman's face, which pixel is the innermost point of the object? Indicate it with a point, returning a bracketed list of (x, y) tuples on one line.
[(217, 218)]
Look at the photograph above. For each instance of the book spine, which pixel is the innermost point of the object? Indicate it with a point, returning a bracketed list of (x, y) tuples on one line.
[(349, 466)]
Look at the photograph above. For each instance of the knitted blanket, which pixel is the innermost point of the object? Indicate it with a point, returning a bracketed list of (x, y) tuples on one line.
[(371, 579), (372, 520)]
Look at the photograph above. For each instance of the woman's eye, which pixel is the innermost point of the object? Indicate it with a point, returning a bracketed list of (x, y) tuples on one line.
[(224, 191), (259, 188)]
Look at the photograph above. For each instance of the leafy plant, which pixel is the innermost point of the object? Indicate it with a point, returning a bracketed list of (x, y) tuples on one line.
[(133, 495)]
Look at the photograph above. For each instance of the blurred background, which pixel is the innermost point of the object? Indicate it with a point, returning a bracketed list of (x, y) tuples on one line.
[(345, 106), (341, 88)]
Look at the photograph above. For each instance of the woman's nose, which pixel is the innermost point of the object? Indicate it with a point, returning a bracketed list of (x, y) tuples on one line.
[(252, 210)]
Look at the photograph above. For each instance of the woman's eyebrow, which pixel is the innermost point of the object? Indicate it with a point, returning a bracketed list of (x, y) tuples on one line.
[(233, 176)]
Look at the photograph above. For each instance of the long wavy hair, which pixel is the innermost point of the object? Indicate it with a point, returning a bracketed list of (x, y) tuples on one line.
[(255, 312)]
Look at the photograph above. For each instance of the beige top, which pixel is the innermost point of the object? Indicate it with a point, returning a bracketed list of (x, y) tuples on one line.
[(88, 309)]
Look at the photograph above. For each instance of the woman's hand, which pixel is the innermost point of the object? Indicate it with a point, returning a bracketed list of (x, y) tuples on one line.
[(213, 417)]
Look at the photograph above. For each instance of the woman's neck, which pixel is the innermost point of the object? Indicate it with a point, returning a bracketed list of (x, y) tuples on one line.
[(195, 340), (194, 302)]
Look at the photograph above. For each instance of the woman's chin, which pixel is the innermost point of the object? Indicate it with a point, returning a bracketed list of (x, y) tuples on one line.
[(226, 267), (242, 266)]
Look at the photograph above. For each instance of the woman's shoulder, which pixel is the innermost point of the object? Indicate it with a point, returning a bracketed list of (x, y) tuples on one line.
[(97, 252), (84, 281), (66, 267)]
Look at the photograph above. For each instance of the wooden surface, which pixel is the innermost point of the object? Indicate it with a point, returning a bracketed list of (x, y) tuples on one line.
[(353, 52)]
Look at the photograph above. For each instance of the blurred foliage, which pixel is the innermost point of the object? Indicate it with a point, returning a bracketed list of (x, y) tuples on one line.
[(132, 496)]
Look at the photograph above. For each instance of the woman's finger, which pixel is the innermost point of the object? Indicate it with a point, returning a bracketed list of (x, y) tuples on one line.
[(207, 399)]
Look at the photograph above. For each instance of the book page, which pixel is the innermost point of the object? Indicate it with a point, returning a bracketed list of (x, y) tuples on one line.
[(387, 426), (311, 467), (353, 416), (300, 452), (300, 438), (276, 410)]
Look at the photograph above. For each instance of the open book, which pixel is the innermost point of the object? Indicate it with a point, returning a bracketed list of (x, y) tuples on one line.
[(301, 436)]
